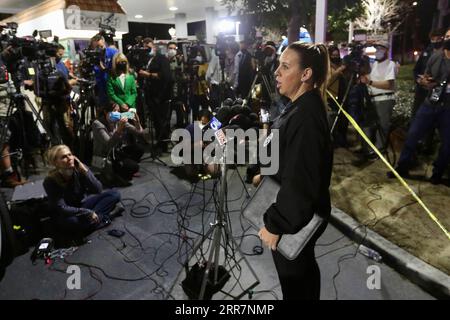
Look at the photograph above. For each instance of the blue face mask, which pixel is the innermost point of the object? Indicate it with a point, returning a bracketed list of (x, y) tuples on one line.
[(114, 116)]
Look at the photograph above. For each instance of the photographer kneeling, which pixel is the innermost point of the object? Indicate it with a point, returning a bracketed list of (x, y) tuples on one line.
[(77, 197), (115, 140)]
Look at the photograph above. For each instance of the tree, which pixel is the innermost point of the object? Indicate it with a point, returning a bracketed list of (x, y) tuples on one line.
[(382, 15), (287, 15), (338, 20)]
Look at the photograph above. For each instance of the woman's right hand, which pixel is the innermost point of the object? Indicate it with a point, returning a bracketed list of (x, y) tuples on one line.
[(256, 180), (121, 125), (94, 218)]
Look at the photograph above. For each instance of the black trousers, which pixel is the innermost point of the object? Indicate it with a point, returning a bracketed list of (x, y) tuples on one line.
[(299, 278), (159, 110), (126, 162)]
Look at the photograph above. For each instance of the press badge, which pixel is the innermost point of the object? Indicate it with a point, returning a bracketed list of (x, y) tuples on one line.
[(31, 71)]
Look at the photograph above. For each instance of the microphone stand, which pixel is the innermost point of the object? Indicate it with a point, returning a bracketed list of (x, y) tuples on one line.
[(222, 237)]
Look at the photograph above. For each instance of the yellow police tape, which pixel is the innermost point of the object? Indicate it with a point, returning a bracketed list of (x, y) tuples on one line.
[(358, 128)]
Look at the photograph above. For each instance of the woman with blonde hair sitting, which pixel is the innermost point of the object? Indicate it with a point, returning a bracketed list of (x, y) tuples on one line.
[(76, 196), (121, 85)]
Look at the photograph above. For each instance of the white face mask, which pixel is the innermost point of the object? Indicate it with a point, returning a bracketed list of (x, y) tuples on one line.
[(171, 53), (380, 54)]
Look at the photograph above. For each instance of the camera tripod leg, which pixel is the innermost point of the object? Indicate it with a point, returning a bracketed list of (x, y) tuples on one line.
[(215, 250)]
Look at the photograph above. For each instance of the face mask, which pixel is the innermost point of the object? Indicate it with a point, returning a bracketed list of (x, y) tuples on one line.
[(66, 172), (447, 44), (199, 59), (380, 54), (122, 66), (336, 60), (436, 45), (171, 53), (114, 116)]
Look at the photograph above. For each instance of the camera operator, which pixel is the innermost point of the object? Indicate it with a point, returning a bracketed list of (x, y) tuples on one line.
[(198, 84), (116, 140), (337, 86), (179, 85), (62, 68), (103, 68), (56, 106), (214, 79), (268, 67), (244, 70), (381, 87), (434, 112), (157, 93)]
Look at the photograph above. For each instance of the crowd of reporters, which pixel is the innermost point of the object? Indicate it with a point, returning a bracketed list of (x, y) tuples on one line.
[(133, 103)]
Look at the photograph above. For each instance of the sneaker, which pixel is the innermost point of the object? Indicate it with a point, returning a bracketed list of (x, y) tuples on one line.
[(117, 211)]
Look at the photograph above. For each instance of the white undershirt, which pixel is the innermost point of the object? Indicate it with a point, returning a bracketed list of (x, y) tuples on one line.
[(122, 79)]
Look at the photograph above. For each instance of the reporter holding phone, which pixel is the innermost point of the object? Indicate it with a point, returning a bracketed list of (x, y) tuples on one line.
[(434, 112), (79, 202), (116, 138)]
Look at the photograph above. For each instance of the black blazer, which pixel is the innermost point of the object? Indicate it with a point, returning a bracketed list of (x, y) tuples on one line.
[(159, 88), (306, 158)]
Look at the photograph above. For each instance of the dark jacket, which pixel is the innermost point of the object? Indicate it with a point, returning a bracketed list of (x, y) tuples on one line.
[(67, 198), (306, 159), (159, 88)]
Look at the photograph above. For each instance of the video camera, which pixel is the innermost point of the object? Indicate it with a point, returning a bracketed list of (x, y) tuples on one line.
[(355, 61), (107, 32), (138, 55), (38, 53), (91, 58)]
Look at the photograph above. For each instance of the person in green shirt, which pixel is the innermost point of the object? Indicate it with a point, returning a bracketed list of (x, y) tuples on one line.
[(121, 85)]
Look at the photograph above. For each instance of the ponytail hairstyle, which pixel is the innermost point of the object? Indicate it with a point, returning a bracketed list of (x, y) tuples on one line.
[(315, 57)]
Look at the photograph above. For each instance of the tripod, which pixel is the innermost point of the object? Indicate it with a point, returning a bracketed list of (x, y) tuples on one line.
[(153, 156), (21, 102), (265, 83), (221, 232)]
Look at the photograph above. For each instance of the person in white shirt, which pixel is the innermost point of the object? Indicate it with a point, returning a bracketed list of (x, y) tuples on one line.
[(214, 79), (381, 88)]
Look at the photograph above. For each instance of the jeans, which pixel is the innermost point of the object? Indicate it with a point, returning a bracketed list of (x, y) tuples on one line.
[(427, 118), (102, 204)]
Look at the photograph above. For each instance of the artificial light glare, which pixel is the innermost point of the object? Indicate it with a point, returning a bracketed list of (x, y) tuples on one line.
[(226, 26)]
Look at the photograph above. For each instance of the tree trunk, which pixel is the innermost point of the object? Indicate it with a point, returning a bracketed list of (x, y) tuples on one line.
[(294, 23)]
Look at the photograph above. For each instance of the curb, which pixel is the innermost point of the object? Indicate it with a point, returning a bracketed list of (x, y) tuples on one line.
[(429, 278)]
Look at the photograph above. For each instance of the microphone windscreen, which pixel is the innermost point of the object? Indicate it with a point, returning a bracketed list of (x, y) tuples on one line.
[(242, 121), (224, 115)]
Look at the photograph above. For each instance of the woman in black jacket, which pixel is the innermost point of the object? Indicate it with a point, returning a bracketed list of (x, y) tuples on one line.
[(305, 166)]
